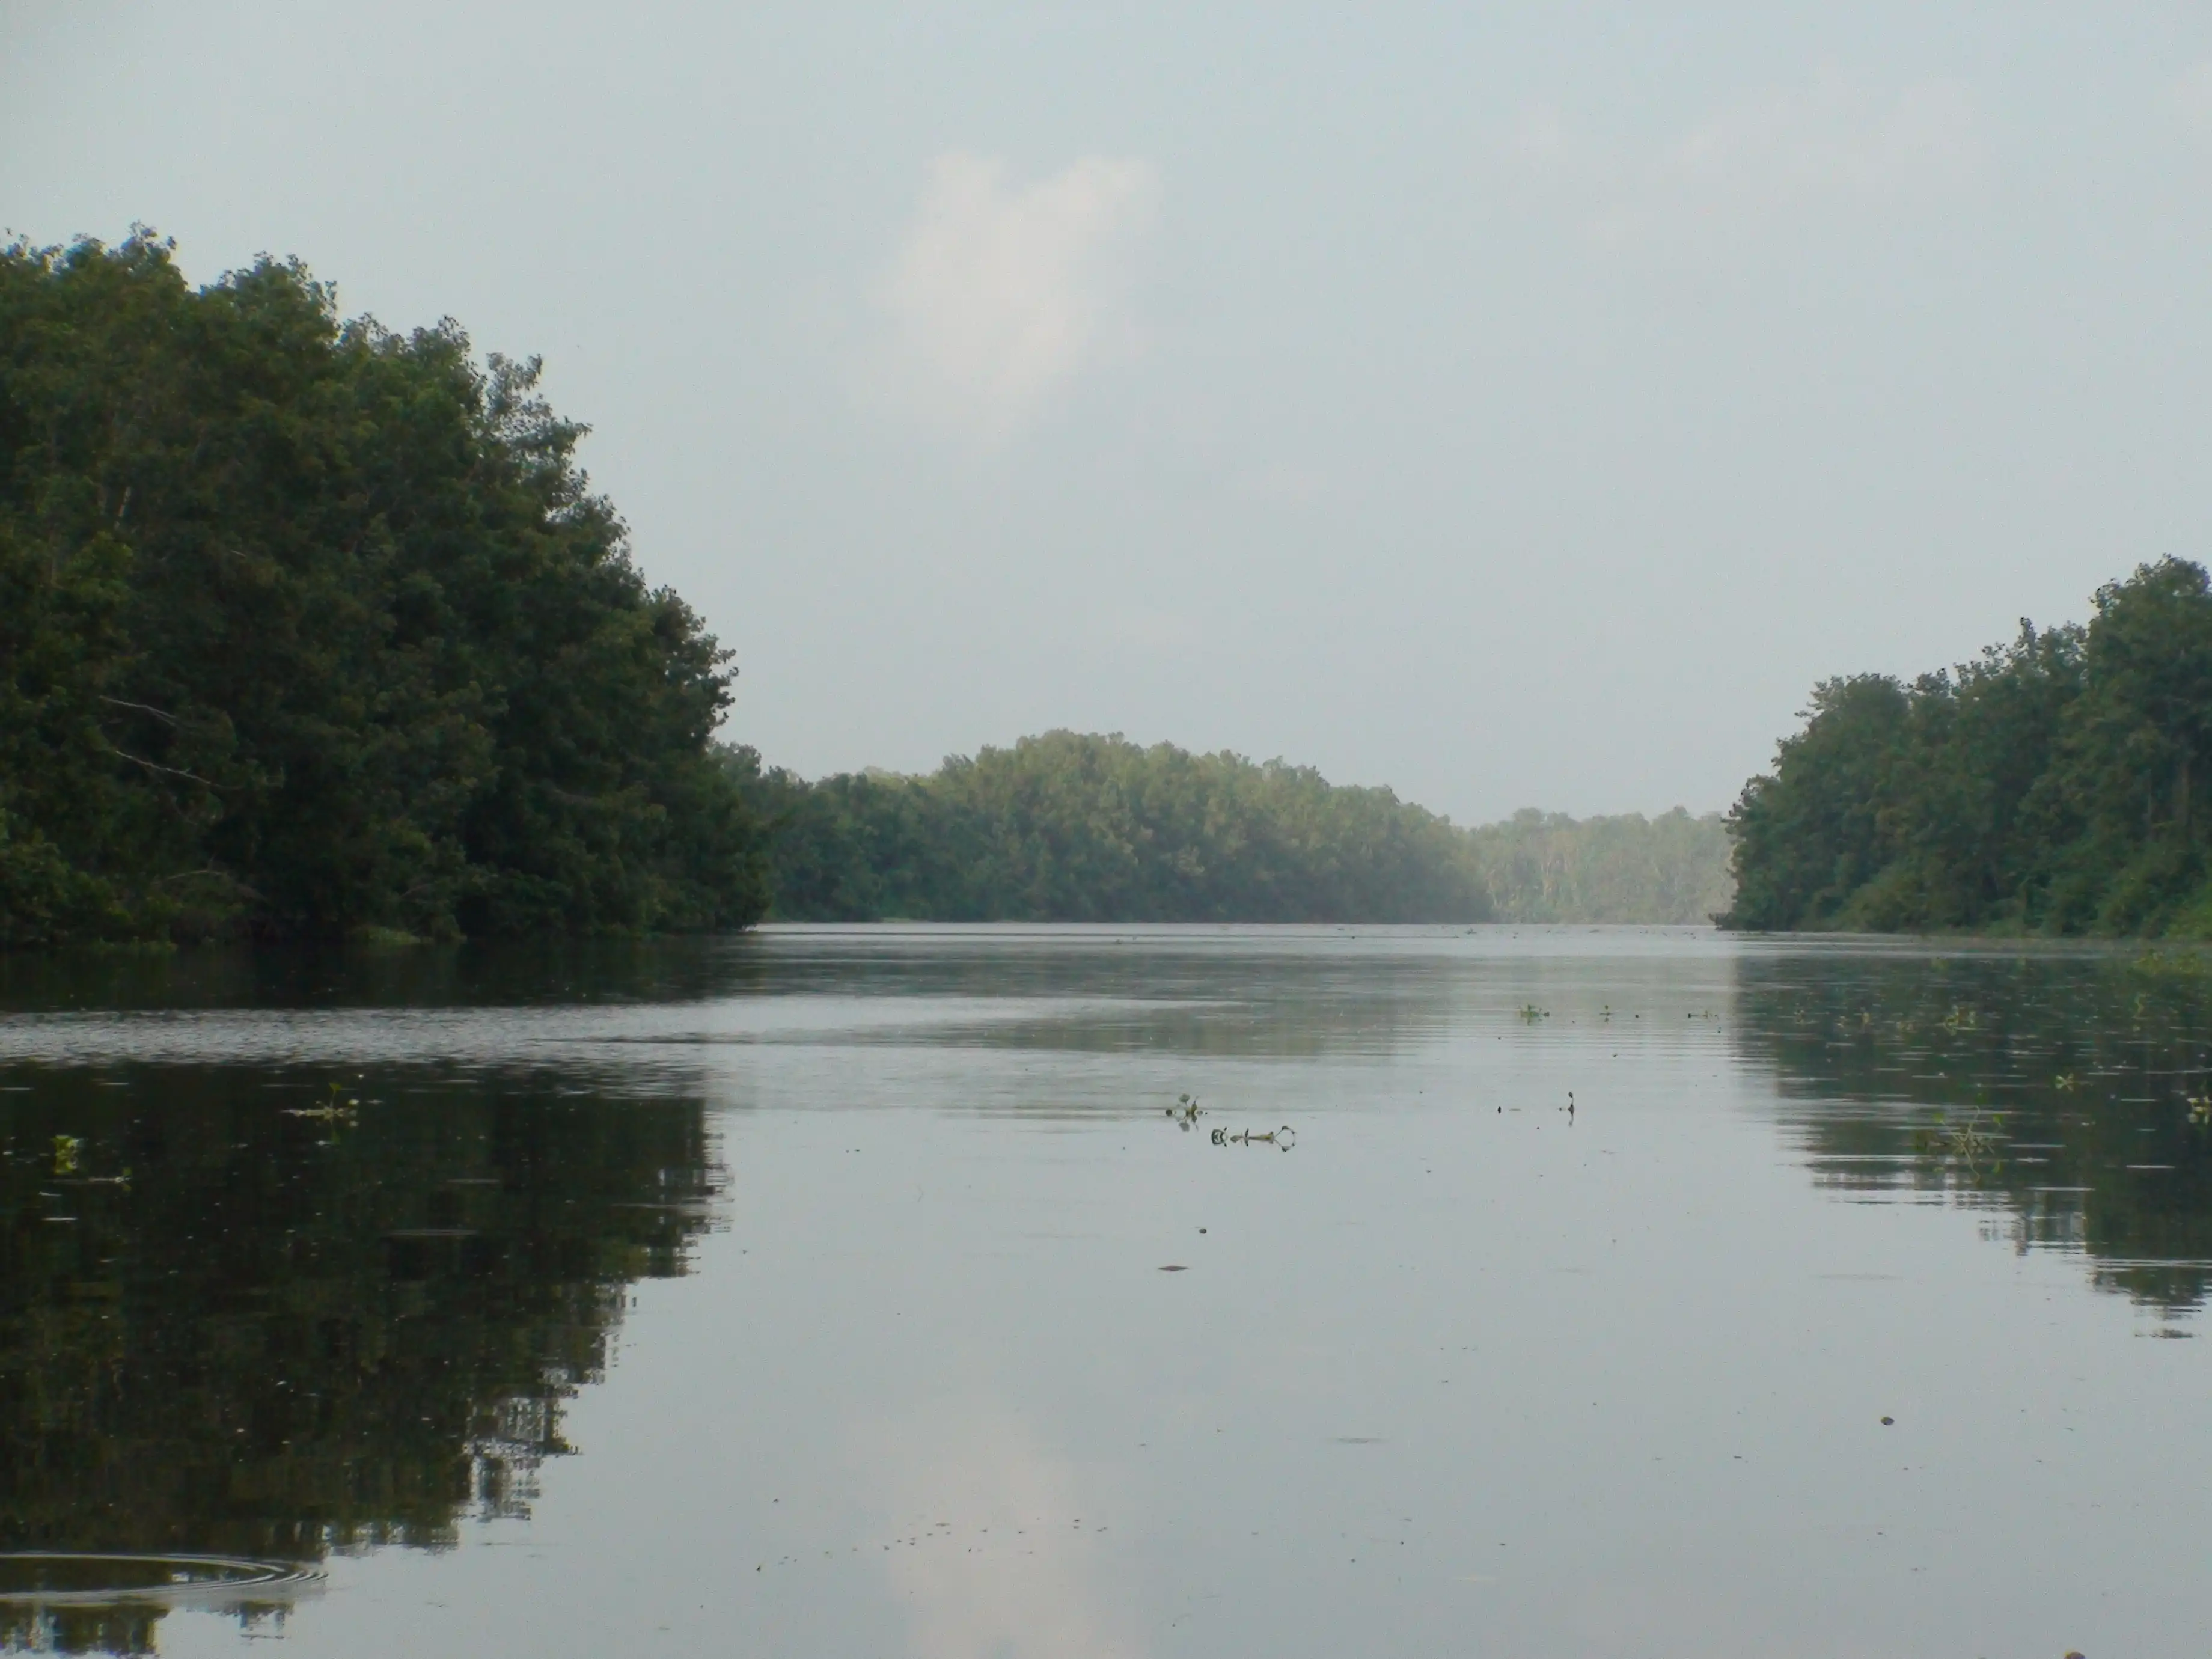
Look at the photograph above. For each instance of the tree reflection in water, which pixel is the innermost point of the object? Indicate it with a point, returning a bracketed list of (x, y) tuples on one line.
[(232, 1324), (2062, 1093)]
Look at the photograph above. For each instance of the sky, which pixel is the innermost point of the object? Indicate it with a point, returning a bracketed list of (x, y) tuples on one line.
[(1513, 404)]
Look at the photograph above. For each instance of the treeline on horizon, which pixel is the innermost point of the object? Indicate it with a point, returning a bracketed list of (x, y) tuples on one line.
[(1548, 867), (1072, 827), (1079, 827), (311, 629), (2056, 785)]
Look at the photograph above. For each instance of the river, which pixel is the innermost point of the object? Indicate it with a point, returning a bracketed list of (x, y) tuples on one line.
[(872, 1291)]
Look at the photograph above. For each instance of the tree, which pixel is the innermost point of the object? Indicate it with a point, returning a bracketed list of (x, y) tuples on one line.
[(307, 626), (2054, 785), (1809, 834), (1070, 827)]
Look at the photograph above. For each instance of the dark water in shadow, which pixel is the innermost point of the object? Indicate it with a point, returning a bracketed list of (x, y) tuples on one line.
[(2068, 1097), (803, 1294)]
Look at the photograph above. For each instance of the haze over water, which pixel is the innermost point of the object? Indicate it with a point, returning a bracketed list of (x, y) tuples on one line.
[(809, 1293)]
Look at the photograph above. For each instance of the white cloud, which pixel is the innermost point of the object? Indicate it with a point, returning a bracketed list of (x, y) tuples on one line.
[(1002, 294), (1786, 153), (1009, 1551)]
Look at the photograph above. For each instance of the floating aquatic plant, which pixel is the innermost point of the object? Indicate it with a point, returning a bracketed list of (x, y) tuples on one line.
[(337, 1108), (1282, 1138), (1972, 1143)]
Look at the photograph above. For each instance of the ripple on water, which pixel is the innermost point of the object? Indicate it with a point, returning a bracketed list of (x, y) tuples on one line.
[(59, 1577)]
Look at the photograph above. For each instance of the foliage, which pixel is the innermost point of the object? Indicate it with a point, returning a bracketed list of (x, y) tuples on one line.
[(1068, 827), (1545, 866), (307, 626), (2062, 1093), (2051, 786), (269, 1331)]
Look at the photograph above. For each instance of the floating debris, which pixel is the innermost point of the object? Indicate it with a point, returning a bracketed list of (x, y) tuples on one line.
[(1973, 1145), (1282, 1138), (332, 1110)]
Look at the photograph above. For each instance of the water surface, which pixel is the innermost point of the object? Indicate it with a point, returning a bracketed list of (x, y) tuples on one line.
[(852, 1292)]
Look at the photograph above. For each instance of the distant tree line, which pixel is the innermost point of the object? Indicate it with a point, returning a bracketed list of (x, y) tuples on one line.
[(1069, 827), (1545, 866), (1072, 827), (2055, 785), (307, 627), (313, 628)]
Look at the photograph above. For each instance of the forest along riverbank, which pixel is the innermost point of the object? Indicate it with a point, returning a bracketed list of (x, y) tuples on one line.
[(2055, 785), (311, 629)]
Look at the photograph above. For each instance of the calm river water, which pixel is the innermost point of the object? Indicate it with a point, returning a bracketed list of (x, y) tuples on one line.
[(852, 1292)]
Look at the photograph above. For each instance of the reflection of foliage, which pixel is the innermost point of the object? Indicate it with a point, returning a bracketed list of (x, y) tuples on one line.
[(2060, 1091), (2187, 966), (25, 1628), (1973, 1146), (277, 1341), (499, 975)]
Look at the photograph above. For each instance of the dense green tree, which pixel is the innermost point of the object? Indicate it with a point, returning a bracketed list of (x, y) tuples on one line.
[(2055, 785), (1816, 823), (2120, 803), (1068, 827), (306, 626)]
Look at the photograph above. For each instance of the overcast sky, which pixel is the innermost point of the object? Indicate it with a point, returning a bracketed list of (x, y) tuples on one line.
[(1513, 404)]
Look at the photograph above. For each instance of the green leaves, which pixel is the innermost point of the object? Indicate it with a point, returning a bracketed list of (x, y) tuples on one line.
[(1070, 827), (307, 626), (2053, 785)]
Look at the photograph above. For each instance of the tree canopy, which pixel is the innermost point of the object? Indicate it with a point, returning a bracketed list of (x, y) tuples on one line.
[(2050, 786), (1070, 827), (309, 626), (1546, 867)]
